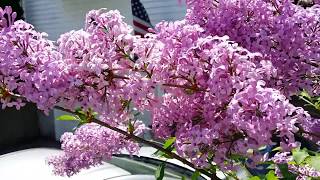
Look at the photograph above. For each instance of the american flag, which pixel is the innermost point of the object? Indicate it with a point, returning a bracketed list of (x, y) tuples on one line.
[(141, 21)]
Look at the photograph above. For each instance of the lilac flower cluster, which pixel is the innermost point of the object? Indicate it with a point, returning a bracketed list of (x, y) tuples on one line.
[(29, 65), (87, 69), (216, 99), (226, 73), (284, 33), (88, 146), (100, 62), (303, 171)]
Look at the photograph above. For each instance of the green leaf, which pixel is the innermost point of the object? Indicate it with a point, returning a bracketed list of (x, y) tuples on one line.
[(168, 145), (213, 168), (83, 117), (67, 118), (285, 172), (169, 142), (94, 114), (292, 163), (262, 148), (195, 175), (183, 178), (315, 162), (79, 110), (317, 105), (271, 166), (277, 149), (299, 155), (254, 178), (250, 151), (271, 176), (162, 154), (237, 157), (160, 171), (305, 94)]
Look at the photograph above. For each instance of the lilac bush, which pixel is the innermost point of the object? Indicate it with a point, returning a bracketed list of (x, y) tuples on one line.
[(227, 73)]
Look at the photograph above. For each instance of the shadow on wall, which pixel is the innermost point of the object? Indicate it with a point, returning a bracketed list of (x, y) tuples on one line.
[(20, 129), (18, 126)]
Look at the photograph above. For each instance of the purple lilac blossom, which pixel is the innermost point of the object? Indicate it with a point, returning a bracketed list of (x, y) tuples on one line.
[(227, 72)]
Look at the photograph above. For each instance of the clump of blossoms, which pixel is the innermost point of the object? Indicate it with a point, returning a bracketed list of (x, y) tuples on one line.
[(100, 60), (216, 99), (86, 70), (284, 33), (302, 171), (88, 146), (30, 65), (226, 73)]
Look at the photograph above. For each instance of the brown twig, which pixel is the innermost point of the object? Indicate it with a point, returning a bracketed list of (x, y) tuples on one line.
[(193, 88)]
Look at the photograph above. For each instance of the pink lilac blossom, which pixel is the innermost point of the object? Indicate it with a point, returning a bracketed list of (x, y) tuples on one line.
[(314, 128), (88, 146), (303, 171), (216, 99), (223, 95), (29, 65), (100, 61), (7, 17), (87, 69), (316, 1), (96, 62), (286, 34)]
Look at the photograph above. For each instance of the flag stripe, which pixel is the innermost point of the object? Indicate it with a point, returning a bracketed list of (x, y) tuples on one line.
[(141, 31), (141, 21), (141, 26)]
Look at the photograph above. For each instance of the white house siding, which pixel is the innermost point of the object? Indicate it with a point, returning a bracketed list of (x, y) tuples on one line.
[(58, 16), (169, 10)]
